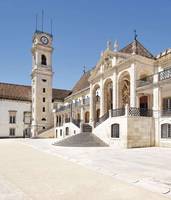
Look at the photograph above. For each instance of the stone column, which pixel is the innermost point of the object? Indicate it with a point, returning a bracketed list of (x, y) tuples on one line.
[(82, 114), (101, 98), (82, 110), (133, 85), (156, 108), (114, 79), (91, 104)]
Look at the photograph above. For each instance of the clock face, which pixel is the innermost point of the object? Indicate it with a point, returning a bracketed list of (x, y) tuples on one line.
[(44, 40)]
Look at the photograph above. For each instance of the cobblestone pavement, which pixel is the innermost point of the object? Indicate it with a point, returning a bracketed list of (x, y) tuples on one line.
[(35, 169)]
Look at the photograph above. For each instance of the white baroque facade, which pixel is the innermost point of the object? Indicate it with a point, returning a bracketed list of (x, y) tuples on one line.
[(125, 100)]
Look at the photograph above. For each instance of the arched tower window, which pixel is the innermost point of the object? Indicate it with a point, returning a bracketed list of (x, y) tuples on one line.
[(43, 60)]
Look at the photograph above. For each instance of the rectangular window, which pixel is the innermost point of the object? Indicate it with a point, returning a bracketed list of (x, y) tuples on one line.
[(60, 132), (44, 99), (67, 130), (43, 109), (166, 130), (12, 132), (44, 80), (167, 103), (44, 90), (12, 117), (115, 131), (27, 118)]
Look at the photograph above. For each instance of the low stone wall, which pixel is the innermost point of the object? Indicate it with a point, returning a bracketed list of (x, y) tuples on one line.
[(134, 132), (103, 131)]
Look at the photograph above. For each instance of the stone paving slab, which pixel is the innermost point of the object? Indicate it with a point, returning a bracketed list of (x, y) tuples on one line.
[(149, 168), (32, 169)]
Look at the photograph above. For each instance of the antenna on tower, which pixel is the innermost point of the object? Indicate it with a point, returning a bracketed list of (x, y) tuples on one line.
[(51, 26), (42, 19), (36, 21)]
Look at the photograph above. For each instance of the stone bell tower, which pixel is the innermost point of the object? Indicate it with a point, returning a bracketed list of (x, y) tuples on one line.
[(42, 117)]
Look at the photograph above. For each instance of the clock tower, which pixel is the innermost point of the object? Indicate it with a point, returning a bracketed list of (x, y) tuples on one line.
[(42, 117)]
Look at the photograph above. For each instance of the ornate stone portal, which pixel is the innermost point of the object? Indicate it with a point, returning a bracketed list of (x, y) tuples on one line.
[(125, 92)]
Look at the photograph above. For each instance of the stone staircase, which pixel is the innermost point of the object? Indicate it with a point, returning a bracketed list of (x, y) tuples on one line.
[(86, 128), (84, 139), (46, 133)]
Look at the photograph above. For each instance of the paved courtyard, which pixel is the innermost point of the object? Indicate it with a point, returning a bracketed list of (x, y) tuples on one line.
[(35, 169)]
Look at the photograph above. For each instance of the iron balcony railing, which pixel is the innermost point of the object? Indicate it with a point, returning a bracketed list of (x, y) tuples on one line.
[(118, 112), (143, 112), (166, 113), (145, 81), (102, 119), (62, 108), (165, 74)]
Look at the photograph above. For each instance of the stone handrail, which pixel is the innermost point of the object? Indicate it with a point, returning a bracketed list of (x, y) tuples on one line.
[(118, 112), (76, 122), (102, 119)]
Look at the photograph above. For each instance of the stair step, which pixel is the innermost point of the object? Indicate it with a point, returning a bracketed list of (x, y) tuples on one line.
[(87, 128), (85, 139)]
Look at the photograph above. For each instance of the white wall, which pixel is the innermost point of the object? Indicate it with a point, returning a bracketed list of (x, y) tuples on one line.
[(73, 129), (20, 107), (103, 131)]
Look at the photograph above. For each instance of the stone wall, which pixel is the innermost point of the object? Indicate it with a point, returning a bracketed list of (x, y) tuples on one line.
[(140, 132)]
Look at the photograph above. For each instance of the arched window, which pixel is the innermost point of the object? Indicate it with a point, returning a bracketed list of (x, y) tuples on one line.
[(43, 60), (43, 119), (166, 130), (115, 132)]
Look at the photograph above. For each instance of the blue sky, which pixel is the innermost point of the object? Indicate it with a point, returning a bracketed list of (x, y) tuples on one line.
[(81, 29)]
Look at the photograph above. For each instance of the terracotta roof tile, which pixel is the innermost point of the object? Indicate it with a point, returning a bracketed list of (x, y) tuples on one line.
[(23, 92), (141, 50), (59, 94), (82, 83)]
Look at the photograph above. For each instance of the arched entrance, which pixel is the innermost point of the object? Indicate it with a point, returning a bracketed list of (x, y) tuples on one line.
[(97, 115), (108, 95), (87, 117), (144, 102)]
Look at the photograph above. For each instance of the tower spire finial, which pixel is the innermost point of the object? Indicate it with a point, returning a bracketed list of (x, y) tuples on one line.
[(116, 46), (84, 69), (135, 35), (109, 45)]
